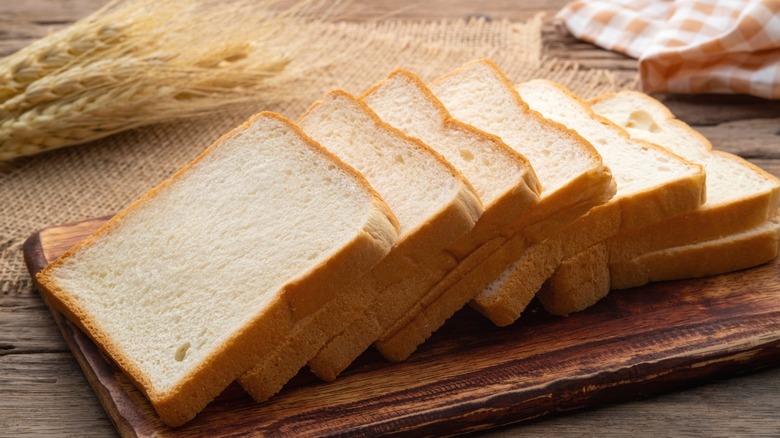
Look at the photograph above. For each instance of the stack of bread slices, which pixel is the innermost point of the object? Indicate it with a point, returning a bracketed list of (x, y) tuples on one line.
[(373, 219)]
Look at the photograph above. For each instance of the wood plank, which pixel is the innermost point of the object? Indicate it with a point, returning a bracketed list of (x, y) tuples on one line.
[(22, 22), (26, 327), (61, 11), (472, 375), (62, 397), (725, 408), (754, 138), (711, 109)]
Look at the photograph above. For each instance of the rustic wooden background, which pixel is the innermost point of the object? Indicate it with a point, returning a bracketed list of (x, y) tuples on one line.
[(42, 389)]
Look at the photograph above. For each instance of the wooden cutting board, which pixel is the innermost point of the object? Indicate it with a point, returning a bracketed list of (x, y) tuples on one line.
[(471, 375)]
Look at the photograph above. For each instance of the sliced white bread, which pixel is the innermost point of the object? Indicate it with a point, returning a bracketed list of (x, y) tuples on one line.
[(652, 184), (504, 299), (571, 172), (584, 279), (588, 277), (503, 179), (434, 205), (567, 166), (738, 251), (740, 196), (579, 281), (191, 285)]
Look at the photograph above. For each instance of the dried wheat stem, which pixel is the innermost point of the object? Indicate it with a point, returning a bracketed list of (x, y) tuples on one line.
[(138, 62)]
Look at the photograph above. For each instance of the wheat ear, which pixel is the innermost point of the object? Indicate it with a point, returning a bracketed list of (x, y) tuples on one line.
[(138, 62)]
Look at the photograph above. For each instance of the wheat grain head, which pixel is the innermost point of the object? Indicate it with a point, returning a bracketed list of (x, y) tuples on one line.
[(138, 62)]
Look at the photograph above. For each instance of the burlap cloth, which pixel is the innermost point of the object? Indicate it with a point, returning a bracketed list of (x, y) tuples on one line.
[(101, 177)]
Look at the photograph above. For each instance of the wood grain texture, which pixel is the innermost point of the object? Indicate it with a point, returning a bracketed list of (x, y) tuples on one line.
[(472, 375)]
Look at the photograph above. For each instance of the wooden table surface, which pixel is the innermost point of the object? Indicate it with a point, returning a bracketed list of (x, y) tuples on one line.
[(42, 389)]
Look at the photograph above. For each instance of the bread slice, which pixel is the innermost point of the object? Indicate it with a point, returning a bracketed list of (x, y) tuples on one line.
[(738, 251), (434, 204), (579, 281), (567, 166), (504, 299), (571, 172), (740, 196), (188, 287), (503, 179), (652, 184), (585, 278)]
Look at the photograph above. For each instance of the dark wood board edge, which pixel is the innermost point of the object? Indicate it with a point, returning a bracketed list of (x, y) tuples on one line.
[(33, 255), (130, 420), (510, 410), (87, 355), (626, 383)]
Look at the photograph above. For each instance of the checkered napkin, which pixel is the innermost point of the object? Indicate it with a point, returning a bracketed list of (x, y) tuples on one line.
[(693, 46)]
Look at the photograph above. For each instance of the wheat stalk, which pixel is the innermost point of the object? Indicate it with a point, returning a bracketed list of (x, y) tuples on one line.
[(138, 62)]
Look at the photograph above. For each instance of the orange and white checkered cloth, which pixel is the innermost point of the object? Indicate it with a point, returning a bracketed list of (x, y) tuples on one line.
[(693, 46)]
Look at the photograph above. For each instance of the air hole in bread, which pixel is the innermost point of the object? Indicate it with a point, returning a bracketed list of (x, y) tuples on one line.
[(181, 352), (466, 154), (399, 158), (642, 120)]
